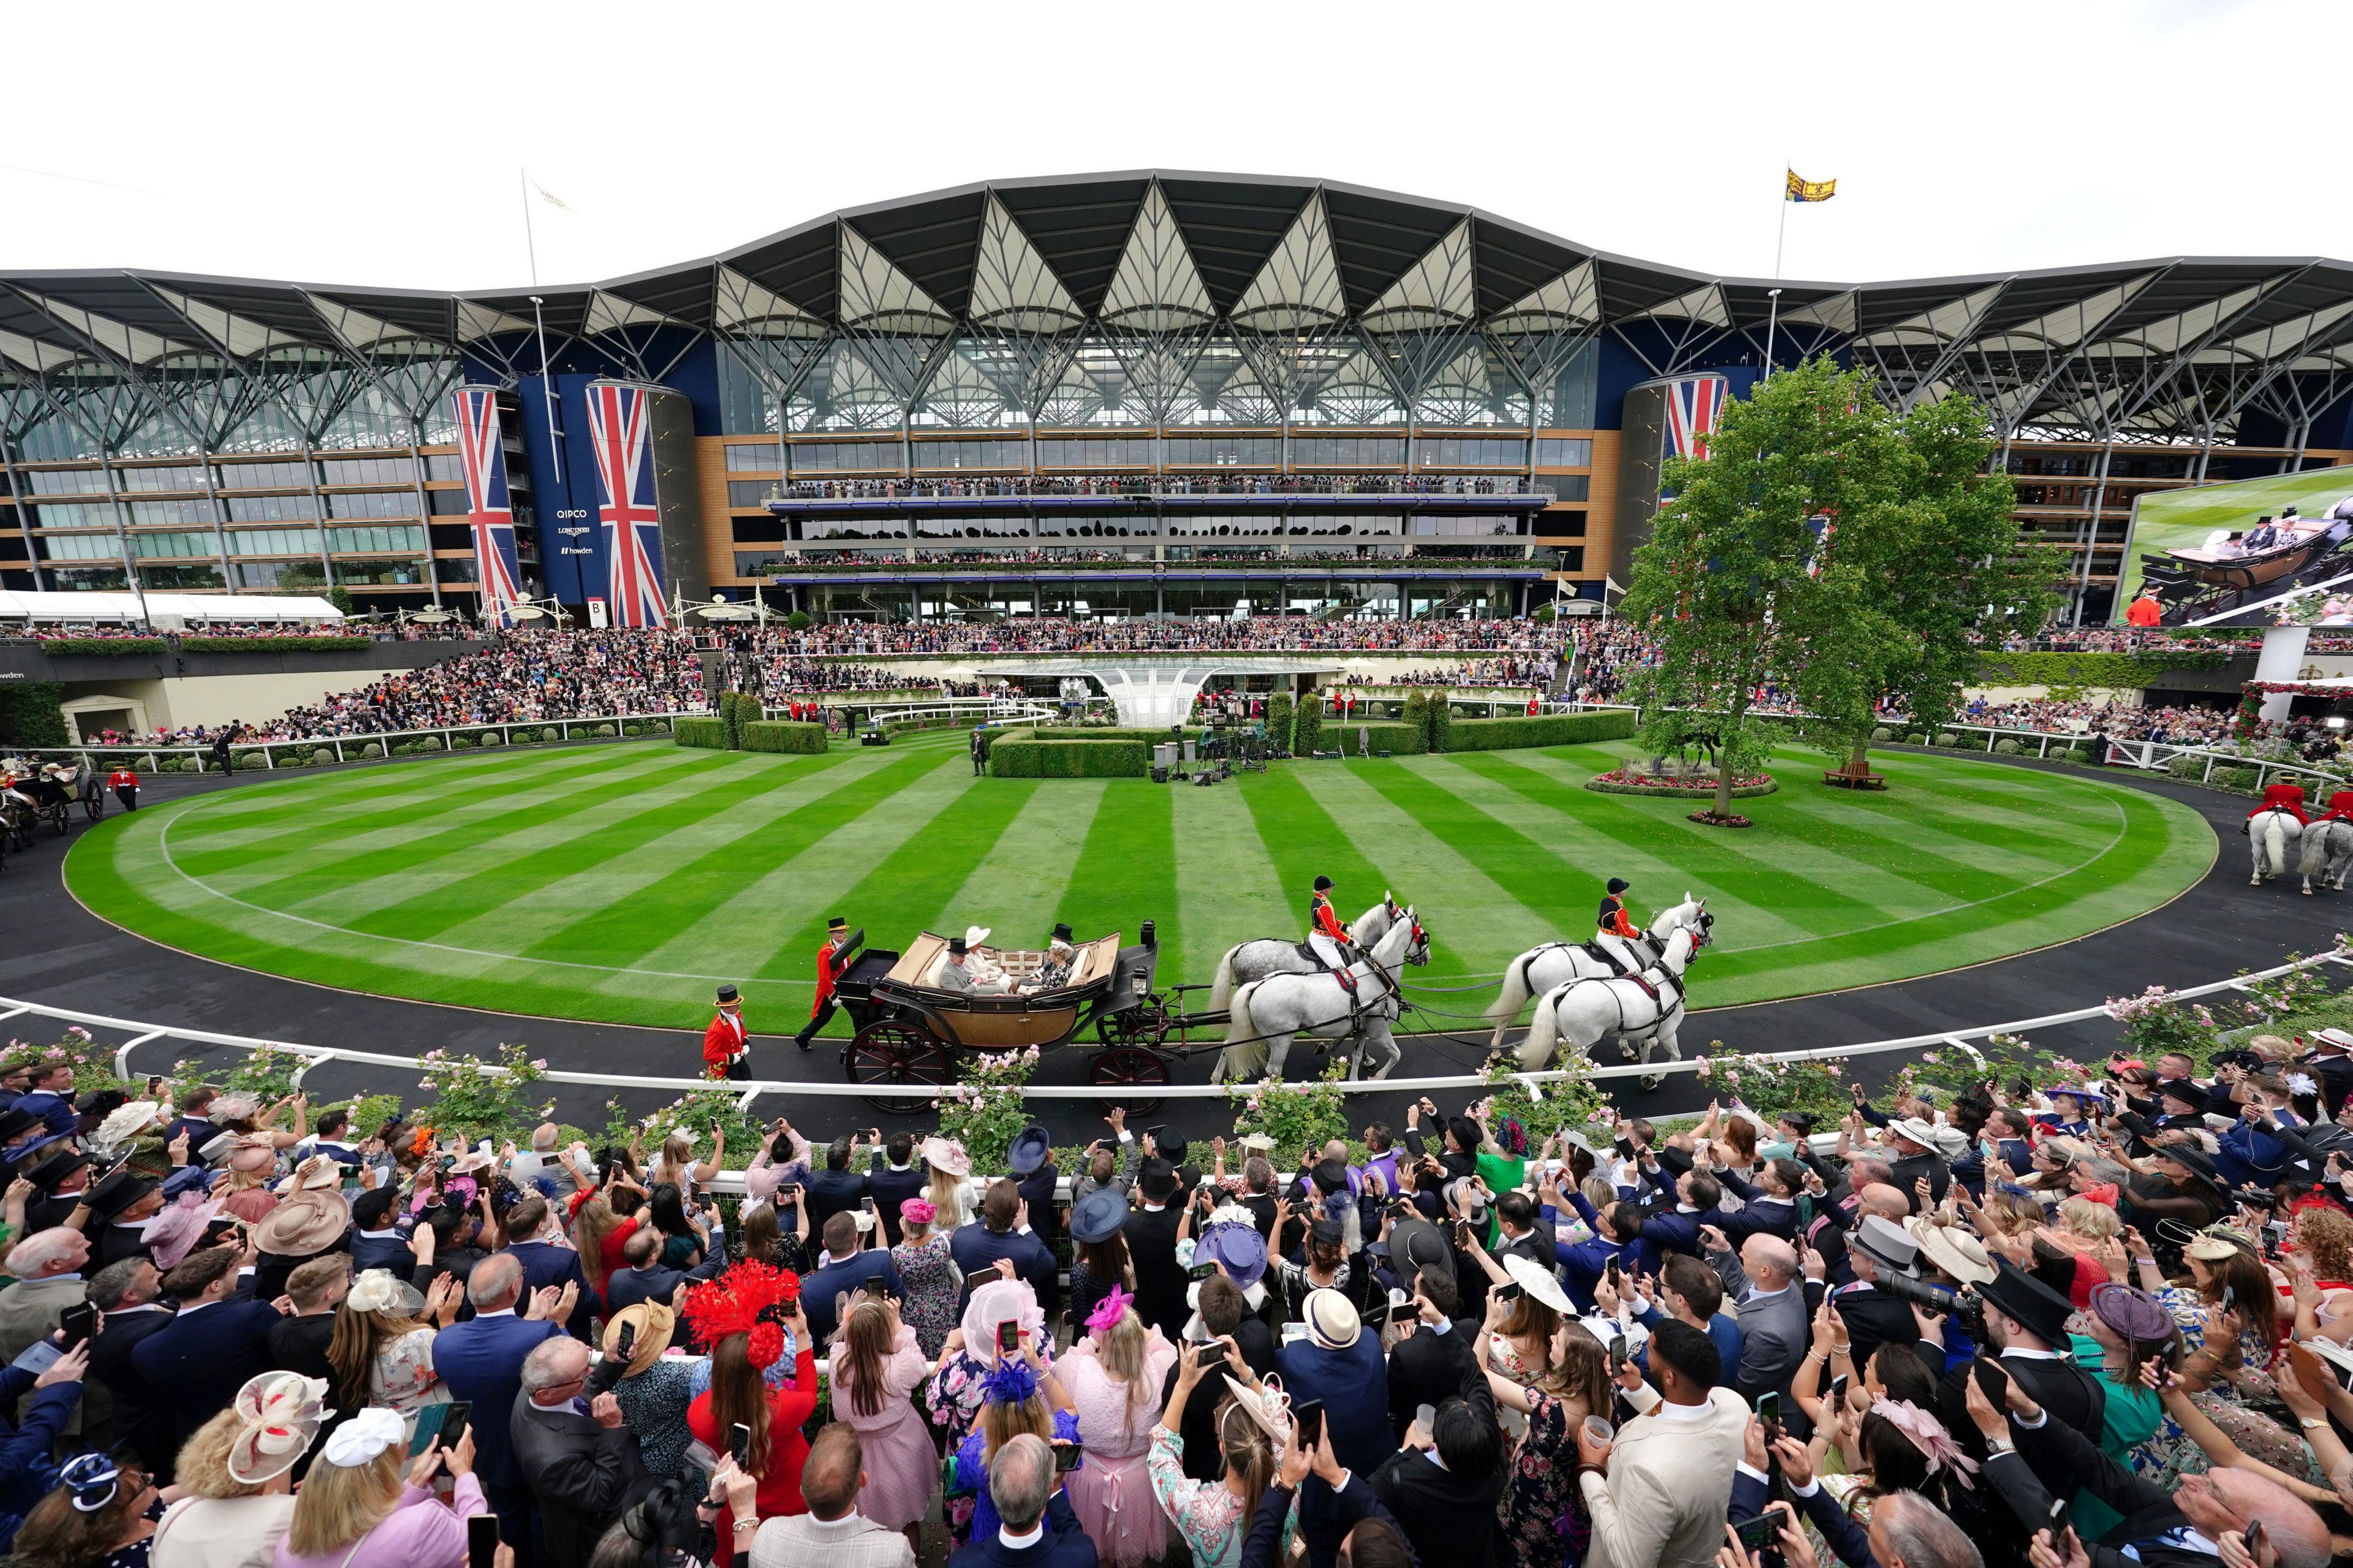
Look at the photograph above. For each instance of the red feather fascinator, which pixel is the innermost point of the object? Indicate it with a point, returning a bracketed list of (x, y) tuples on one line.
[(754, 1299)]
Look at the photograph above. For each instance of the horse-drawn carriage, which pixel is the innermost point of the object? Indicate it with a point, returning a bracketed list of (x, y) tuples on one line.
[(912, 1029), (50, 795), (2222, 573)]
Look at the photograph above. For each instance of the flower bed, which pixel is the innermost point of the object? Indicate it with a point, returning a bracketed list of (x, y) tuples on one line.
[(1621, 781)]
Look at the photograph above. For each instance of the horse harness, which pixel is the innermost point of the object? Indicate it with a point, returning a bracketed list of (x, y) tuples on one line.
[(1667, 982)]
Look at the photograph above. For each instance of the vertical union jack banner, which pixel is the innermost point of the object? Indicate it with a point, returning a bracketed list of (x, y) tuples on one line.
[(489, 509), (620, 424), (1694, 406)]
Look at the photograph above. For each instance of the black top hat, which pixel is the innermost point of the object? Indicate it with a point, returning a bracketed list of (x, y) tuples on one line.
[(2018, 1294), (14, 1121), (1619, 884), (1330, 1176), (1170, 1145), (956, 947), (1061, 932), (727, 993), (836, 923), (1029, 1149), (1323, 883), (1157, 1180), (2183, 1091), (2197, 1161), (117, 1193), (57, 1168)]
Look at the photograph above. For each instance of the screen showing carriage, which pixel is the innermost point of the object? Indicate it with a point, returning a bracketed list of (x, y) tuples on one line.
[(2208, 556)]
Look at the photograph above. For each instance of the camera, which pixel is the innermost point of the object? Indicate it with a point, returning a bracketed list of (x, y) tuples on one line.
[(1966, 1306)]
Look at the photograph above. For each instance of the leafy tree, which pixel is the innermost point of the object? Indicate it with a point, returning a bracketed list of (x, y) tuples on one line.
[(799, 620), (1724, 585), (341, 597)]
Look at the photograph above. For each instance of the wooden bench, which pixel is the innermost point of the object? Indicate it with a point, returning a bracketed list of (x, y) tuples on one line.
[(1854, 773)]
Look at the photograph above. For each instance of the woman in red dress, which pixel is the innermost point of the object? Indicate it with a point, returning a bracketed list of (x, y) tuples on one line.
[(744, 1315)]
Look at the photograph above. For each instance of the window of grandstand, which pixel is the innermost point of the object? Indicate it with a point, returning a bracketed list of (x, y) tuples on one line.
[(448, 569), (1476, 527), (825, 528), (1486, 452), (444, 466), (403, 536), (749, 492), (373, 503), (445, 503), (1348, 451), (828, 454), (75, 515), (80, 547), (168, 511), (66, 482), (1115, 452), (380, 574), (398, 471), (174, 477), (1561, 453), (86, 579), (1570, 487), (273, 541), (757, 456), (190, 574), (1012, 454), (292, 576), (273, 509), (180, 544), (1224, 451), (260, 475)]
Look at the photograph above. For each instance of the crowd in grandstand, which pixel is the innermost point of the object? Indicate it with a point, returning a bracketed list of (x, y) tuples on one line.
[(1163, 484), (1057, 634), (2049, 1325)]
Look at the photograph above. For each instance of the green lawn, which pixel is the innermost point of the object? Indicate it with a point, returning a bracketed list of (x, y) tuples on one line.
[(619, 882)]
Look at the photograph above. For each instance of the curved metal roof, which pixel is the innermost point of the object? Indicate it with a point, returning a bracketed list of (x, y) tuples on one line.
[(2173, 347)]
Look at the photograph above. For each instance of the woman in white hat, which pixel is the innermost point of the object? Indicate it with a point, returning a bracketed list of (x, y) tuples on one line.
[(946, 1166), (366, 1505), (382, 1350), (1541, 1503), (235, 1476)]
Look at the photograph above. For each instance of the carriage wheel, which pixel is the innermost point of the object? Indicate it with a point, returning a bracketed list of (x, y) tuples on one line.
[(1125, 1067), (890, 1052)]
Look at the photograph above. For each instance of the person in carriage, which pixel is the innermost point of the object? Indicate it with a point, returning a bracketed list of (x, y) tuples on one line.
[(2287, 797), (1054, 969)]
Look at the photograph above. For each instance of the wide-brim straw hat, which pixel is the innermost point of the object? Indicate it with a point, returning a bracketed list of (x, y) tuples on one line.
[(947, 1155), (1537, 1282), (654, 1322), (1954, 1252)]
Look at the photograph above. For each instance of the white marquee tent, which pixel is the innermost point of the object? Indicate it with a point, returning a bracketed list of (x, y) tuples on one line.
[(162, 610)]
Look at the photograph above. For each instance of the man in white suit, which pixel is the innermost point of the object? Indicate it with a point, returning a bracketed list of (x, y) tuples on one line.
[(1658, 1493)]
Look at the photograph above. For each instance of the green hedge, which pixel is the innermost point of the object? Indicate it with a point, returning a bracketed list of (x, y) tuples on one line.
[(1024, 758), (1307, 727), (709, 732), (1438, 719), (1280, 711), (783, 735), (1547, 730), (2104, 669), (29, 713), (275, 645), (1400, 739), (990, 737), (70, 648)]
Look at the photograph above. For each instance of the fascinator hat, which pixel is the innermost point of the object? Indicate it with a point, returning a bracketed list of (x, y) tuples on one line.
[(278, 1415), (751, 1299), (367, 1434), (1929, 1435), (1110, 1309)]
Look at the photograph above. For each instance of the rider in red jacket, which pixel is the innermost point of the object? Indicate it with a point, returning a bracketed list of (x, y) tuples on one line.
[(2287, 797)]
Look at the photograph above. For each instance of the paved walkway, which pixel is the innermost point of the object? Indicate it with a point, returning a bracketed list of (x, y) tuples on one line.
[(55, 951)]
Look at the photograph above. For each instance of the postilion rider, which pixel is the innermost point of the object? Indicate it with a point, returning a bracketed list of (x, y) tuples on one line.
[(1615, 932), (1327, 935), (832, 958), (2289, 798)]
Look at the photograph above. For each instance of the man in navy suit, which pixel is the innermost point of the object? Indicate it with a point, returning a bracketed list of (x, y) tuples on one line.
[(217, 1341), (1771, 1202), (546, 1265), (1614, 1240), (1032, 1159), (1035, 1526), (646, 1280), (837, 1186), (1002, 1231), (125, 1295), (482, 1360), (51, 1098), (1697, 1197), (895, 1178), (846, 1269), (379, 1240)]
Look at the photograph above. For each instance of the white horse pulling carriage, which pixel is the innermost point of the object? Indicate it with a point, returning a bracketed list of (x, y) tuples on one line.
[(1272, 955), (2322, 849), (1644, 1010), (1267, 1014), (1540, 969)]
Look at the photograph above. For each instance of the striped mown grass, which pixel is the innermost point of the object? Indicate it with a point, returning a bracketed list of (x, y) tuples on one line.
[(620, 883)]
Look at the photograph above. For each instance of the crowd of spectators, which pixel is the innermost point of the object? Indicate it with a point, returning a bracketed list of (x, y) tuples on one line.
[(2108, 1321), (1269, 633), (1223, 484)]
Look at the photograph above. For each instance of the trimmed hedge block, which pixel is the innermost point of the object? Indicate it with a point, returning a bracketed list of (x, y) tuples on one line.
[(783, 735), (1546, 729), (1023, 758), (708, 733), (2007, 748), (1883, 734), (1388, 738)]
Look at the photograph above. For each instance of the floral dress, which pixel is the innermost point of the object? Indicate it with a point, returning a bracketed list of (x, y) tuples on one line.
[(653, 1404), (2170, 1455), (956, 1392), (928, 1303), (1541, 1512), (1208, 1517), (403, 1375), (1505, 1358)]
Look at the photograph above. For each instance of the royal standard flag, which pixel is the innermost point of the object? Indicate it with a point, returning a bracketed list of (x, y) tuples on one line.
[(1810, 190)]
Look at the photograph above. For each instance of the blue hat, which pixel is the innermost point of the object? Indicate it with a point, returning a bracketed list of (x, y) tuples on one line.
[(1029, 1151), (1237, 1248), (186, 1179), (1099, 1215)]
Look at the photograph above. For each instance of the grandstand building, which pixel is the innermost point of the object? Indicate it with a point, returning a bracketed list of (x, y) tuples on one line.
[(1115, 393)]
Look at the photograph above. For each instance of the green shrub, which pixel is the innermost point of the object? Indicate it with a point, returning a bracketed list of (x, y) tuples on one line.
[(1402, 740), (1057, 735), (270, 644), (493, 738), (633, 729), (1946, 738), (1307, 726), (250, 757), (707, 732), (1546, 729), (733, 716), (322, 756), (799, 620), (604, 732), (2106, 669), (1883, 734), (1416, 716), (2079, 755), (2006, 748), (765, 735), (1024, 757), (31, 715), (2187, 767), (1915, 739), (2242, 780), (103, 647), (1280, 711), (1437, 722)]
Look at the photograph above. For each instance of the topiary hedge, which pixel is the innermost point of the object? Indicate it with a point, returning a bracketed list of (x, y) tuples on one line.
[(103, 647), (1023, 757), (995, 734), (783, 735), (1546, 729), (2241, 781), (1280, 711), (270, 644), (2187, 767), (31, 715), (1398, 739), (1883, 735), (2106, 669), (1307, 727), (2006, 748), (708, 733)]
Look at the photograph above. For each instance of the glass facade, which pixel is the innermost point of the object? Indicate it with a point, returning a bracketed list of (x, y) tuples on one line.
[(1348, 451), (972, 454), (373, 503), (273, 541), (74, 514), (749, 492), (86, 579), (376, 540), (1224, 451), (168, 511), (65, 482), (260, 475), (379, 574), (190, 576), (844, 455), (445, 466), (1563, 453), (1455, 452), (755, 458), (1095, 452), (179, 476), (286, 577), (183, 545), (80, 547), (273, 509), (368, 472)]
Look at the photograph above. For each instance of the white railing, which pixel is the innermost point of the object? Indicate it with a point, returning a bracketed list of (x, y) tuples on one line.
[(272, 754), (2153, 756), (314, 1055)]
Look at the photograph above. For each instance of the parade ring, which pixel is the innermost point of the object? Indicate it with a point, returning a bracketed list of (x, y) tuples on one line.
[(619, 883)]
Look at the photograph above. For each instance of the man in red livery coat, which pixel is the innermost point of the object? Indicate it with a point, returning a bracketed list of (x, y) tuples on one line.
[(2287, 797), (125, 786), (1613, 931), (726, 1047), (2340, 806), (830, 956)]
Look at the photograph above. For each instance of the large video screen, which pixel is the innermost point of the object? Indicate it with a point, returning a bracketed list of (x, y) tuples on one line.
[(2198, 553)]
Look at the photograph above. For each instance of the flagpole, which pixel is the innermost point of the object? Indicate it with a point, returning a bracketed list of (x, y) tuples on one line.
[(531, 241), (548, 389), (1773, 309)]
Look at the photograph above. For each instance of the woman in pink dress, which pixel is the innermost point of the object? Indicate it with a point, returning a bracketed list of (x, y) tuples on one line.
[(877, 1367), (1113, 1377)]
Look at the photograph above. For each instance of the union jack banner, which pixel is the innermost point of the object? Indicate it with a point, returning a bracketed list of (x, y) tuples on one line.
[(1693, 407), (1821, 525), (621, 427), (1809, 190), (489, 509)]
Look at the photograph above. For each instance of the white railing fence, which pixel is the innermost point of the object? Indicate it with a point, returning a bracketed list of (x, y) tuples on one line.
[(271, 755)]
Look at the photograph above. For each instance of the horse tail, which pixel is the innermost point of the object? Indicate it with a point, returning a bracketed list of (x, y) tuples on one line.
[(1515, 990), (1242, 1045), (2275, 844), (2317, 841), (1543, 1029), (1221, 984)]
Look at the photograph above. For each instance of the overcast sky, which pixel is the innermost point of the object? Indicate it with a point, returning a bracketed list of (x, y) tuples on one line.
[(380, 144)]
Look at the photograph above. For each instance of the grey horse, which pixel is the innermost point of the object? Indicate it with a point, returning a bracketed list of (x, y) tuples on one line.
[(2273, 837), (1267, 1015), (1266, 955), (2327, 853)]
